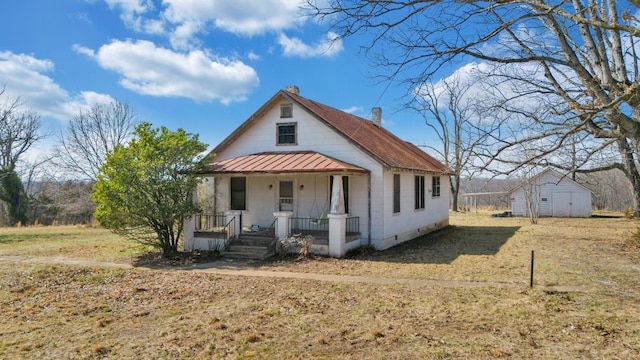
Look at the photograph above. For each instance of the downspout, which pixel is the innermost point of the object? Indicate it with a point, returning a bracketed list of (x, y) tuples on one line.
[(369, 209)]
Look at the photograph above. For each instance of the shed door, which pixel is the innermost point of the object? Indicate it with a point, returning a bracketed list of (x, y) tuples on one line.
[(562, 204)]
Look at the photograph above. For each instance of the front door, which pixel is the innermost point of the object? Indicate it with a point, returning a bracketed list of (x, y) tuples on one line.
[(286, 196)]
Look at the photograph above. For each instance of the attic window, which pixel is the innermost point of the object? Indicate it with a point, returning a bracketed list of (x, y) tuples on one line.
[(286, 110), (286, 134)]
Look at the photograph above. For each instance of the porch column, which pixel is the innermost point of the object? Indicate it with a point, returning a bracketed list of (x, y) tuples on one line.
[(234, 214), (283, 223), (337, 234), (337, 196), (188, 240)]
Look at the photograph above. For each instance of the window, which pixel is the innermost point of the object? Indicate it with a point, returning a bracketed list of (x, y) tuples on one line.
[(419, 192), (286, 110), (396, 193), (238, 193), (345, 191), (435, 186), (286, 134)]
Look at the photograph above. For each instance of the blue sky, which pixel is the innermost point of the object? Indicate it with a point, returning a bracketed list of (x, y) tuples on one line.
[(203, 65)]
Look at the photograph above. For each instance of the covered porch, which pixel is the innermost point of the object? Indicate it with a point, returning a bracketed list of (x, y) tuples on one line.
[(276, 195)]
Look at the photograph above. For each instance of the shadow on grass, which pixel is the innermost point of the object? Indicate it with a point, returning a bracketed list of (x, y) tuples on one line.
[(438, 247), (157, 260), (443, 246)]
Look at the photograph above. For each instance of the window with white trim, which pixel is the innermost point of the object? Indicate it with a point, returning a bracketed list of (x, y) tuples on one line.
[(435, 186), (287, 134), (419, 192), (238, 193), (396, 193)]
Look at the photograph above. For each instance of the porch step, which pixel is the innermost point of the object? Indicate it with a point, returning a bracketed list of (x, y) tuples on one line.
[(252, 241), (250, 247)]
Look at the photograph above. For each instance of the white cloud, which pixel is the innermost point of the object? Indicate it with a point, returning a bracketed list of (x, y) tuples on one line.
[(184, 20), (253, 56), (151, 70), (329, 46), (242, 17), (132, 11), (25, 77), (354, 109)]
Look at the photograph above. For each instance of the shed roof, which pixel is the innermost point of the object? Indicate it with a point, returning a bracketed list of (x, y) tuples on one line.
[(379, 143)]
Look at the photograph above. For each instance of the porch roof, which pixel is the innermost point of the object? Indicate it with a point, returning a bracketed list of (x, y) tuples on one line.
[(282, 162)]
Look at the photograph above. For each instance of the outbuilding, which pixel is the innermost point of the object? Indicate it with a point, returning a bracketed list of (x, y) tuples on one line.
[(553, 195)]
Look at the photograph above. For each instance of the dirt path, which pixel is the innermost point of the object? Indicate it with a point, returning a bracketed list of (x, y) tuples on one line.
[(239, 268)]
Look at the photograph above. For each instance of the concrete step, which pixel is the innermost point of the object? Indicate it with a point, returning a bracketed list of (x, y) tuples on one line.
[(252, 241), (248, 252)]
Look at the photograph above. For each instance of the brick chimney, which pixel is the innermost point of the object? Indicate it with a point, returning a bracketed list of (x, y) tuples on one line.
[(376, 116), (293, 89)]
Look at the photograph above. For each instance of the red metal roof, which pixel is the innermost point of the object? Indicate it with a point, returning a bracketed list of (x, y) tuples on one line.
[(282, 162), (378, 142)]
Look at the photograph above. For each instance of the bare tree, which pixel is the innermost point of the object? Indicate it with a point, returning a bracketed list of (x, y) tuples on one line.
[(19, 130), (575, 59), (449, 112), (91, 135)]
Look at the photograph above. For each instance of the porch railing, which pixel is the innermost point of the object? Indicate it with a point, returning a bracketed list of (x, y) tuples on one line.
[(318, 227), (210, 222), (230, 232), (273, 229), (353, 225)]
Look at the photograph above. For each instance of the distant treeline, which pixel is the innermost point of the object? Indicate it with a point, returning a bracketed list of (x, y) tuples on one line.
[(51, 202)]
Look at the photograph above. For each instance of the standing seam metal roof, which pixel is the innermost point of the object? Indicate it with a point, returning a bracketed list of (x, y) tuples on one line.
[(283, 162)]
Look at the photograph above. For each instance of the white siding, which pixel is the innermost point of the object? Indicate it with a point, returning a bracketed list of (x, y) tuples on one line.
[(314, 135), (410, 223), (387, 229), (564, 197)]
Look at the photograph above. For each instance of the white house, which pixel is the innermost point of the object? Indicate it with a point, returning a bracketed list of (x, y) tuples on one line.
[(553, 194), (298, 166)]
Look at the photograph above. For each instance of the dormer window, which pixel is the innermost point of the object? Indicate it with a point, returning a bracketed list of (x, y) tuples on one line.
[(287, 134), (286, 110)]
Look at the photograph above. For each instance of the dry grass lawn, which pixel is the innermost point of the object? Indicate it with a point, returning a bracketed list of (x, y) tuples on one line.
[(71, 312)]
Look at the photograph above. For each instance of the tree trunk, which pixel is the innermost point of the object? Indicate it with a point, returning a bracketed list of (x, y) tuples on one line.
[(631, 172), (634, 178), (454, 182)]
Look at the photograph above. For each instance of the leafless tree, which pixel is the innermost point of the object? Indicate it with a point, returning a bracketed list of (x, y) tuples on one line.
[(19, 130), (91, 134), (568, 69), (449, 112)]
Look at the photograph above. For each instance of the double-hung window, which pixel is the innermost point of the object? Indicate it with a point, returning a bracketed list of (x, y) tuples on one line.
[(396, 193), (419, 192), (286, 134), (435, 186)]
